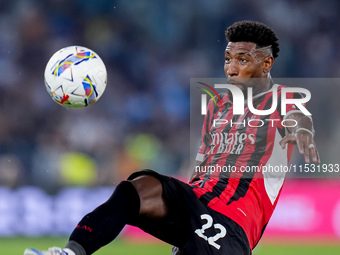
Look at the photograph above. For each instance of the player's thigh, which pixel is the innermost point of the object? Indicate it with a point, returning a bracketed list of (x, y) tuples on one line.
[(173, 228)]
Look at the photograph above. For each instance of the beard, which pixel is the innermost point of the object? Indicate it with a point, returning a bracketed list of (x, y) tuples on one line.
[(244, 83)]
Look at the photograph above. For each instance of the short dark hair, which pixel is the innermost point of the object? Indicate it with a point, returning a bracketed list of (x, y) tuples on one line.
[(255, 32)]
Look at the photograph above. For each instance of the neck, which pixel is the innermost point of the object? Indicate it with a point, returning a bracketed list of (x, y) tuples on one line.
[(267, 84)]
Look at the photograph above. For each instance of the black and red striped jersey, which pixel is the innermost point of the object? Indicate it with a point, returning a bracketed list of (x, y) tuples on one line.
[(234, 152)]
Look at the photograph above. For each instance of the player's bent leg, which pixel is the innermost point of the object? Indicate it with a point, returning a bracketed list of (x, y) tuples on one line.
[(137, 198)]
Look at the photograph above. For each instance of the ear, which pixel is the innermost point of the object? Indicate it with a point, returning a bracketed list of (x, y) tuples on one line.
[(267, 64)]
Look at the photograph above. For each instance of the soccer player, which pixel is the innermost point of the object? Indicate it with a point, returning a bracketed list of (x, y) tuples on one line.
[(217, 212)]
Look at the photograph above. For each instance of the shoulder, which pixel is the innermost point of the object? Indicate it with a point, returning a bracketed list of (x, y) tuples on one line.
[(289, 92), (219, 101)]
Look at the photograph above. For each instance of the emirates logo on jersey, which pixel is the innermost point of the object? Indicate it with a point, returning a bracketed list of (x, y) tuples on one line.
[(231, 143)]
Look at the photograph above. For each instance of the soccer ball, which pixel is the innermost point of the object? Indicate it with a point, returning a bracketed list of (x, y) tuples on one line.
[(75, 77)]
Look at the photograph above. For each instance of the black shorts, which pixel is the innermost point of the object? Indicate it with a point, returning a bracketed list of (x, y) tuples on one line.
[(192, 227)]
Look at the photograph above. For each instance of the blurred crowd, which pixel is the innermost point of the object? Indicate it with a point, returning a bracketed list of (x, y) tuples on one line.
[(151, 49)]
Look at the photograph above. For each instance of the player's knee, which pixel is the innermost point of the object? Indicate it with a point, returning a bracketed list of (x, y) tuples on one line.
[(150, 191), (126, 197)]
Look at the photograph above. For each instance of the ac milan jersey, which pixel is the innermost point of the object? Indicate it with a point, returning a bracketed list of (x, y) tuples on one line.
[(241, 174)]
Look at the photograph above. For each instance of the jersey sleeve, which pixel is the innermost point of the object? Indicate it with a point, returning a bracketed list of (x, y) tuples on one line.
[(291, 107)]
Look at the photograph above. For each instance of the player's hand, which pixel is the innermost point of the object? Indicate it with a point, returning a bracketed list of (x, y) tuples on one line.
[(305, 143)]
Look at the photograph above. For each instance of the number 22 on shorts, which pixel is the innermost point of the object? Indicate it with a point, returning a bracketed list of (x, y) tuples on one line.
[(211, 240)]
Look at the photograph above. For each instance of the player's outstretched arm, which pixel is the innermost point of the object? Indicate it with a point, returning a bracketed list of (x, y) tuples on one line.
[(303, 136)]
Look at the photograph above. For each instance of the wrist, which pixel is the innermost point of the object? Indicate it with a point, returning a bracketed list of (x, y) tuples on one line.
[(306, 130)]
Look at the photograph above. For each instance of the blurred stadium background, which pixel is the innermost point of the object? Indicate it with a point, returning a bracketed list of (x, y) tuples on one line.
[(53, 158)]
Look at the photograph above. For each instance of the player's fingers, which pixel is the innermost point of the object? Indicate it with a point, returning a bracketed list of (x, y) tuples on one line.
[(287, 139), (306, 153), (300, 142), (283, 143), (306, 144), (303, 140), (318, 157), (314, 153)]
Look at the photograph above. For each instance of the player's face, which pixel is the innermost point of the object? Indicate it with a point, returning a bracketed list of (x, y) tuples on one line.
[(243, 63)]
